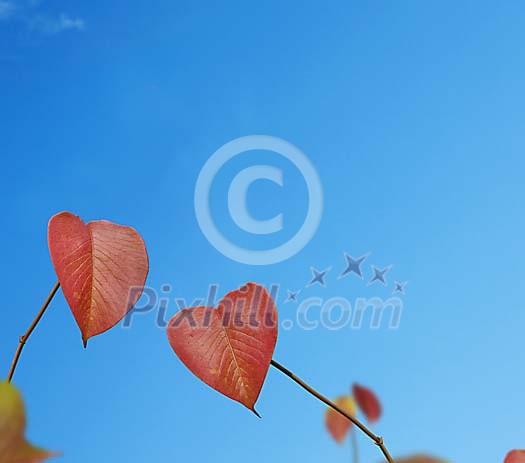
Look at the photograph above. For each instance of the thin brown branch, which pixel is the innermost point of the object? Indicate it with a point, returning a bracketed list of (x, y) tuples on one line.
[(377, 439), (23, 339)]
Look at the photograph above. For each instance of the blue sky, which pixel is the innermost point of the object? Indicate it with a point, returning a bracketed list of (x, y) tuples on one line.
[(412, 114)]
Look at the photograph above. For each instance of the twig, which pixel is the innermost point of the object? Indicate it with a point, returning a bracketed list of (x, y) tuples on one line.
[(355, 449), (377, 439), (23, 339)]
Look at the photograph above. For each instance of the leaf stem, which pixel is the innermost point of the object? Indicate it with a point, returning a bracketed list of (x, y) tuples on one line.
[(23, 339), (377, 439), (355, 449)]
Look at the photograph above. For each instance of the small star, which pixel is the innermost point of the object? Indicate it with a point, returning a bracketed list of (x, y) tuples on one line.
[(400, 287), (379, 274), (292, 296), (318, 277), (353, 265)]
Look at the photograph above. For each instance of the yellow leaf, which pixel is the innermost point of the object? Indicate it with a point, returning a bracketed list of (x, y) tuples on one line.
[(337, 425), (13, 446)]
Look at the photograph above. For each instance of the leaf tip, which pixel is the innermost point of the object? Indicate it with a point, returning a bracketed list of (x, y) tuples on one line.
[(256, 413)]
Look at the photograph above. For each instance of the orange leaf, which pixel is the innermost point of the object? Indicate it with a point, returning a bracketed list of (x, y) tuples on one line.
[(515, 456), (229, 348), (13, 446), (368, 402), (101, 267), (337, 425)]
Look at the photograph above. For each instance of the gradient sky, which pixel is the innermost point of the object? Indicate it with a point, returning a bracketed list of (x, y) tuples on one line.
[(411, 112)]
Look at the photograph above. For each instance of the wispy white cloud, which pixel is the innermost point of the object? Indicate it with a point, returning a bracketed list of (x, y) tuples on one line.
[(6, 9), (29, 12), (55, 25)]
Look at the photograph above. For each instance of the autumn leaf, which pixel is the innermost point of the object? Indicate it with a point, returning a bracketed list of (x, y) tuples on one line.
[(101, 267), (515, 456), (419, 458), (367, 402), (337, 425), (229, 348), (13, 446)]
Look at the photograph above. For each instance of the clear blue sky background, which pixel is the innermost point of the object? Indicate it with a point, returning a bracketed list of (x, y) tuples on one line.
[(412, 113)]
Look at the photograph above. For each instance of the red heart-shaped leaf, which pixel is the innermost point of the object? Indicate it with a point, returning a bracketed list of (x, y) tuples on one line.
[(336, 424), (229, 348), (367, 402), (101, 267), (515, 456)]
